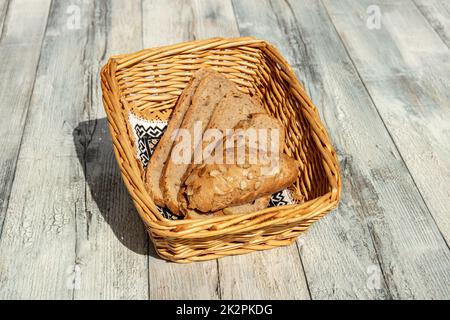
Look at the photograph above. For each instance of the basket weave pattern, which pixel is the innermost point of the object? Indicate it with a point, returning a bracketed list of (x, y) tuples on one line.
[(150, 81)]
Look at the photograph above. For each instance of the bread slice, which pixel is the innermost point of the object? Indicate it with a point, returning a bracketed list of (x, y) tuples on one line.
[(161, 153), (213, 187), (234, 108), (267, 123), (229, 173), (258, 204), (211, 89)]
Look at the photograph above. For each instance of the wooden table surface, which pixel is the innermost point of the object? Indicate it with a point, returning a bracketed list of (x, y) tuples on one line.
[(378, 72)]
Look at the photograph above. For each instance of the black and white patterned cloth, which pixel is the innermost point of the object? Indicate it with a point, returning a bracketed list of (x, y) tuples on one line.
[(147, 135)]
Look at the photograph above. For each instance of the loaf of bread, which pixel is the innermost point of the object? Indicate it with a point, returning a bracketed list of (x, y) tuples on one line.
[(161, 153), (213, 187)]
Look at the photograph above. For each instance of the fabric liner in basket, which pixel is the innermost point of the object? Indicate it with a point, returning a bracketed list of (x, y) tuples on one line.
[(139, 93)]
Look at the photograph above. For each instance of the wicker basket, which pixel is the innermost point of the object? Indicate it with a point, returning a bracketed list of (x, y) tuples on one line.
[(150, 81)]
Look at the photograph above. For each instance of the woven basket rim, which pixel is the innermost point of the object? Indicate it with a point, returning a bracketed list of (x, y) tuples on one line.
[(185, 228), (127, 59)]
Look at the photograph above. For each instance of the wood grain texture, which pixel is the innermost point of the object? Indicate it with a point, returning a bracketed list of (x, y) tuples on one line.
[(19, 54), (3, 12), (406, 77), (379, 196), (176, 21), (245, 276), (273, 274), (410, 88), (112, 241), (38, 246), (437, 13)]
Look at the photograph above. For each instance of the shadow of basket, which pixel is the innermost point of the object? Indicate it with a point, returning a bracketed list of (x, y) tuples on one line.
[(105, 186)]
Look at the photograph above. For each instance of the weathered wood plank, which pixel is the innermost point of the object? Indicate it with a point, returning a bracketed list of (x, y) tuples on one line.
[(404, 76), (410, 91), (177, 21), (19, 54), (3, 11), (38, 246), (437, 13), (112, 241), (382, 219), (273, 274), (246, 276)]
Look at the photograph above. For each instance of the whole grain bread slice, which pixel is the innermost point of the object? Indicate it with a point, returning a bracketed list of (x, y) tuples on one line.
[(230, 180), (213, 187), (258, 121), (234, 108), (161, 153)]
